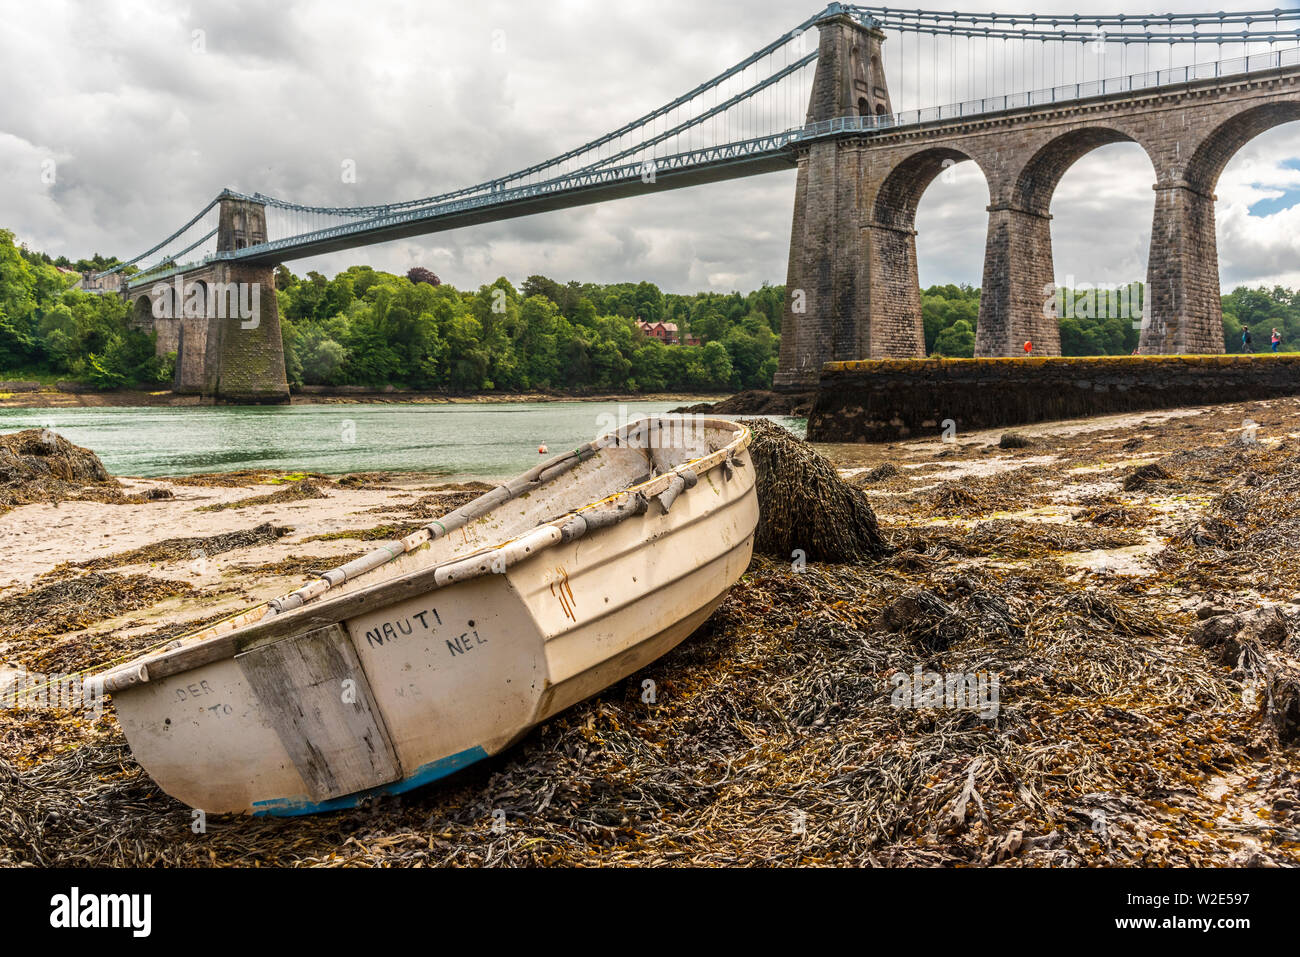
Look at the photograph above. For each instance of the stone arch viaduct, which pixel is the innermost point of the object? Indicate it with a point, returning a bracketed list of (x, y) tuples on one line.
[(852, 286)]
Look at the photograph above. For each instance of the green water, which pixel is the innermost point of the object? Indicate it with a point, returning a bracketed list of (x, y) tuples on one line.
[(458, 441)]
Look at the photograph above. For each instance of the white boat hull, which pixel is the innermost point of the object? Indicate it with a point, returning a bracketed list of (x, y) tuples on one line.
[(413, 689)]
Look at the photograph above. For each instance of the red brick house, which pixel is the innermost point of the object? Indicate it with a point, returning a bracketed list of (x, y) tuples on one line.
[(665, 332)]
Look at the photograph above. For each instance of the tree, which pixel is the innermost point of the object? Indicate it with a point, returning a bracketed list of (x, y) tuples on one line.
[(320, 357), (419, 274), (716, 366), (957, 341)]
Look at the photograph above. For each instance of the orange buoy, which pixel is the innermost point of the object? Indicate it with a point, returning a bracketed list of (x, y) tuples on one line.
[(1029, 346), (541, 449)]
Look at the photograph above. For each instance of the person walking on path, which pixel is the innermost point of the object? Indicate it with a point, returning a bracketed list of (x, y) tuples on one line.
[(1245, 339), (1277, 338)]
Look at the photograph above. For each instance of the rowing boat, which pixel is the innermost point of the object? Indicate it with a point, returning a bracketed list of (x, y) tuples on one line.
[(433, 652)]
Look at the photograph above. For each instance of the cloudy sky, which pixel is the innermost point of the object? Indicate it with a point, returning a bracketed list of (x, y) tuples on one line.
[(120, 119)]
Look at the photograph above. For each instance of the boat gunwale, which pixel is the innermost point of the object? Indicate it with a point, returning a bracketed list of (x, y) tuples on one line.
[(182, 656)]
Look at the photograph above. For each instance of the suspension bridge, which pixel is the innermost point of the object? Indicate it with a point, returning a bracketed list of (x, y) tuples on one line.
[(1021, 96)]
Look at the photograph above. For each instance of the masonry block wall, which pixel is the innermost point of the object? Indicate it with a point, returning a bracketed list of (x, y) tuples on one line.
[(191, 375), (1017, 286), (864, 295), (887, 400), (826, 290), (245, 357), (223, 354)]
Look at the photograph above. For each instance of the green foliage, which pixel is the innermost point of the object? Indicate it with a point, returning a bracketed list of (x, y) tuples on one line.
[(944, 306), (1263, 310), (368, 328), (47, 327), (956, 341), (1093, 322)]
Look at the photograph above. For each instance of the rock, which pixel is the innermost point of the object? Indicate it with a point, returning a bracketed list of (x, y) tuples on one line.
[(804, 505), (757, 402), (1145, 476), (1015, 440), (1227, 633), (1212, 611)]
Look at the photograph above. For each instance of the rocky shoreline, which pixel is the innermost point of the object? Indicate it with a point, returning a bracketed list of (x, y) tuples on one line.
[(1121, 596), (756, 402), (36, 396)]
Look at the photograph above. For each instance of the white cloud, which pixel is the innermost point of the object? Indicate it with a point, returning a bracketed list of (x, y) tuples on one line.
[(431, 96)]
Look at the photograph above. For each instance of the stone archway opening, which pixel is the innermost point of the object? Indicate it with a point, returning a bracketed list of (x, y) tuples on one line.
[(1018, 308), (1101, 210), (932, 201), (142, 311), (1247, 165), (197, 296)]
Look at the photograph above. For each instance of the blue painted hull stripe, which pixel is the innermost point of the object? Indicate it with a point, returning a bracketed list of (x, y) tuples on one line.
[(287, 807)]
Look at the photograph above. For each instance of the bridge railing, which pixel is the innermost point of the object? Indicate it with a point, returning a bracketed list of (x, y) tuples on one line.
[(1059, 94)]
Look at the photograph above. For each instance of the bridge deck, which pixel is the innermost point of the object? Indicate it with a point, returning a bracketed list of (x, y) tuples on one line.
[(744, 158)]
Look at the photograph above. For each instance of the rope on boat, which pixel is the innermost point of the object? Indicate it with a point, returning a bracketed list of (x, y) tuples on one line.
[(684, 479), (535, 477)]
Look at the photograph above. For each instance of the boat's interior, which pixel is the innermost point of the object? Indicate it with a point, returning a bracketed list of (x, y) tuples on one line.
[(651, 447), (593, 474)]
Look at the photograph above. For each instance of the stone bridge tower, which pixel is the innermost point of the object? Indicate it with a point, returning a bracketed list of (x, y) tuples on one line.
[(827, 285), (224, 349)]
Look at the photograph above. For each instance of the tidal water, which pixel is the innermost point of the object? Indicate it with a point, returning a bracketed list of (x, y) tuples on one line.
[(457, 441)]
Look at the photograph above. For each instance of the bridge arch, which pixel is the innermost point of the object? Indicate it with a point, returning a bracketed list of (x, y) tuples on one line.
[(1183, 287), (1019, 271), (142, 311), (900, 192), (897, 327), (1221, 144), (1036, 182)]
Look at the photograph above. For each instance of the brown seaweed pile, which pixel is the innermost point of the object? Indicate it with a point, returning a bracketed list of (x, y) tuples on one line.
[(245, 477), (184, 549), (778, 737), (1249, 534), (1262, 646), (805, 508), (973, 495), (1008, 538), (881, 473), (37, 465), (75, 603), (291, 492), (1113, 512)]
